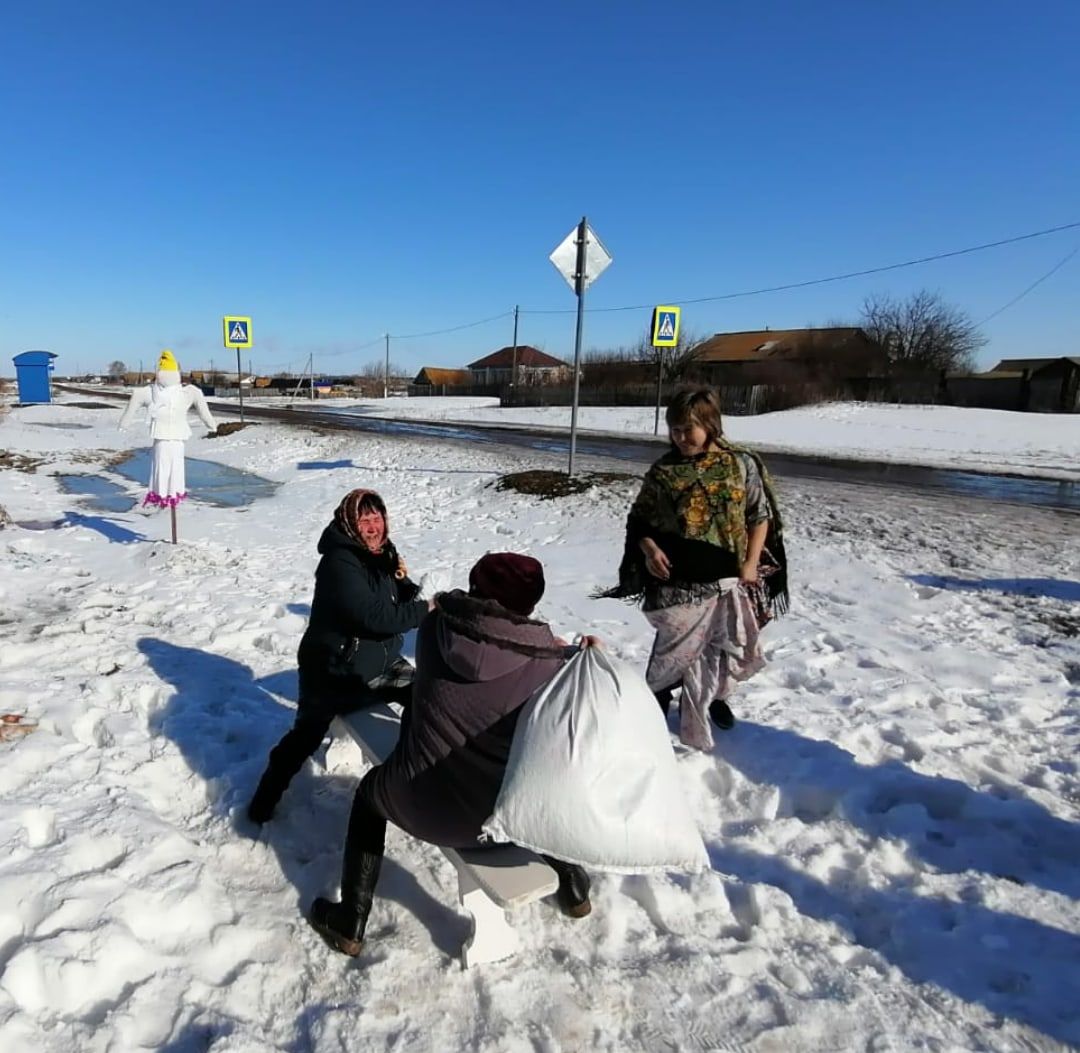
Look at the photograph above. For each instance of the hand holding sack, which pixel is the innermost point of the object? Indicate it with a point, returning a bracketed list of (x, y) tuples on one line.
[(592, 778)]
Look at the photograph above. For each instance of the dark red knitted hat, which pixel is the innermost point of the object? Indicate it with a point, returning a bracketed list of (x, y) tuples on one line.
[(516, 582)]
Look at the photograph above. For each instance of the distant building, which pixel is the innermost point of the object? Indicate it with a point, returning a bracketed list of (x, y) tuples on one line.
[(1052, 385), (432, 380), (776, 356), (533, 367)]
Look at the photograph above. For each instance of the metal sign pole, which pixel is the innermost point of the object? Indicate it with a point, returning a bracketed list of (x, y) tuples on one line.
[(239, 386), (659, 387), (579, 283)]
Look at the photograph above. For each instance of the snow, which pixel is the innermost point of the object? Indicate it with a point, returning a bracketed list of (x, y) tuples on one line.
[(893, 824), (1041, 444)]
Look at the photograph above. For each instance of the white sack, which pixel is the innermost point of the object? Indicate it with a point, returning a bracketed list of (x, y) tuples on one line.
[(592, 778)]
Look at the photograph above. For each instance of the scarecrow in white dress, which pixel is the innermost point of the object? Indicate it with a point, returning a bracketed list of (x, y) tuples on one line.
[(167, 402)]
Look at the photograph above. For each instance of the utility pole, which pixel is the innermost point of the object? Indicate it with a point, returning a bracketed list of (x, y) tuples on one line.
[(513, 368), (386, 371)]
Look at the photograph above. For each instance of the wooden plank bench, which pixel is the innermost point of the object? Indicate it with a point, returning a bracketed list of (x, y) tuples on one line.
[(491, 881)]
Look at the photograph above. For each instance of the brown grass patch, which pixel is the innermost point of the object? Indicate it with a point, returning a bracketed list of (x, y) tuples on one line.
[(548, 485), (229, 428), (20, 462)]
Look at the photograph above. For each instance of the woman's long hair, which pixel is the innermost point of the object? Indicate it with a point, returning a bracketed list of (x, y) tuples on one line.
[(700, 406)]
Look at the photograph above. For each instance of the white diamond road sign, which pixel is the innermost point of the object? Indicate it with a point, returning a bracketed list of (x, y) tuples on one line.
[(597, 258)]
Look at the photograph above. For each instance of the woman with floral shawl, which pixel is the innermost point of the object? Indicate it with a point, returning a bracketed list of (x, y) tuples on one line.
[(704, 551)]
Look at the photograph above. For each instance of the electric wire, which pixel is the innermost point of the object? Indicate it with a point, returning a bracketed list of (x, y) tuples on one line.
[(758, 292), (821, 281), (1034, 285), (452, 329)]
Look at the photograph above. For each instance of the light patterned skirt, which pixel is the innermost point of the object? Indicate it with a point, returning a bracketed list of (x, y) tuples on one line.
[(709, 646), (167, 486)]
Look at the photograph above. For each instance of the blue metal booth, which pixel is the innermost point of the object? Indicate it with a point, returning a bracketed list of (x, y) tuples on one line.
[(33, 371)]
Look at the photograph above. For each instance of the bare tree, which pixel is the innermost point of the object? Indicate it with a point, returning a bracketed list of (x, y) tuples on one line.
[(374, 370), (673, 361), (117, 368), (921, 333)]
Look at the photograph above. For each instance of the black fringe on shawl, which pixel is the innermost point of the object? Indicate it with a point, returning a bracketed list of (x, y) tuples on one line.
[(633, 576)]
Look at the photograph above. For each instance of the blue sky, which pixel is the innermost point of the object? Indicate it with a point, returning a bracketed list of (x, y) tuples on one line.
[(340, 170)]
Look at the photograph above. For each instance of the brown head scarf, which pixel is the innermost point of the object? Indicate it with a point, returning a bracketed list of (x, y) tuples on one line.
[(348, 511)]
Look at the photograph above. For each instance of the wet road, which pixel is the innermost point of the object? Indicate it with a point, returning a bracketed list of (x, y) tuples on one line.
[(637, 453)]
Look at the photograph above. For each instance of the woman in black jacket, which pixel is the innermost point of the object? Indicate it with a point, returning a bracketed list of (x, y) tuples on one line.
[(350, 655)]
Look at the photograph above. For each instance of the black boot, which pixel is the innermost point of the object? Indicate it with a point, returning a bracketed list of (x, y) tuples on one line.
[(663, 696), (574, 885), (721, 714), (342, 924)]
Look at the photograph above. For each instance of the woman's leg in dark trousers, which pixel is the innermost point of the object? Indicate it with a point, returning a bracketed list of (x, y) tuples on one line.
[(312, 722), (342, 924)]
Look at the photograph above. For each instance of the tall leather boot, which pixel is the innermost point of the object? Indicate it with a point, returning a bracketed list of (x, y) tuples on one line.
[(342, 924), (574, 885), (663, 697)]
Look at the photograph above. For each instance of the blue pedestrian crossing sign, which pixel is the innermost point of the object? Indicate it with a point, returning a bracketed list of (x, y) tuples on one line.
[(237, 331), (665, 326)]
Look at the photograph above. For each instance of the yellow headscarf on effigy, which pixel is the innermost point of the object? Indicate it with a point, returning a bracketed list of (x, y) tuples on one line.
[(167, 361)]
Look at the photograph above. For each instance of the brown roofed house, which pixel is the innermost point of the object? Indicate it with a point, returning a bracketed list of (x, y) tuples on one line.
[(433, 380), (777, 356), (533, 367)]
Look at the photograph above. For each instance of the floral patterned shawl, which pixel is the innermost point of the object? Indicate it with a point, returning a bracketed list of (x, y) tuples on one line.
[(687, 501)]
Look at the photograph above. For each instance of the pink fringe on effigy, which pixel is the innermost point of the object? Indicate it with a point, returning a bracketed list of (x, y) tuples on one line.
[(164, 502)]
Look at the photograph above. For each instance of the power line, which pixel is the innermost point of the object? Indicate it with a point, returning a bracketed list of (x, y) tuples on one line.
[(823, 281), (350, 350), (1034, 285), (452, 329), (758, 292)]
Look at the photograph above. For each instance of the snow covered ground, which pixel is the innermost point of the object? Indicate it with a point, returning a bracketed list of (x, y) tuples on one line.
[(894, 824), (1044, 444)]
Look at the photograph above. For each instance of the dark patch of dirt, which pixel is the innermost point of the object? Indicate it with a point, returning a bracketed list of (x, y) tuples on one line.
[(548, 485), (92, 405), (4, 517), (20, 462), (229, 427)]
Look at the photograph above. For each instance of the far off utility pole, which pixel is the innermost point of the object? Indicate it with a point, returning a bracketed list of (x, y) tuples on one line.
[(386, 371), (513, 366)]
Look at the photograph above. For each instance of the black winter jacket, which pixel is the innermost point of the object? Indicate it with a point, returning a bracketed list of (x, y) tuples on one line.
[(359, 611)]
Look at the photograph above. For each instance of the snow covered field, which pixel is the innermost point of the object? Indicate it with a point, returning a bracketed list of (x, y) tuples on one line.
[(894, 824), (1044, 444)]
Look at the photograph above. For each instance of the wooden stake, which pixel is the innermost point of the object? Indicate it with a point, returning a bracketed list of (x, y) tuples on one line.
[(172, 509)]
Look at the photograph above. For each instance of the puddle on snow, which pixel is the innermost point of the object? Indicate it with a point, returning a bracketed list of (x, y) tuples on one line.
[(216, 484), (99, 493)]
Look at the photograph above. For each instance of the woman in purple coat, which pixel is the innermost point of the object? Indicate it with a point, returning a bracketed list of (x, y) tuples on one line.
[(479, 657)]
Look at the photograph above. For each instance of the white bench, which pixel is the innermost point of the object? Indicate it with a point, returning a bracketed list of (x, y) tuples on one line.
[(491, 881)]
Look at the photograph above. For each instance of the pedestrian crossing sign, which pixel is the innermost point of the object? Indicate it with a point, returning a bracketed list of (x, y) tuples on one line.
[(237, 331), (665, 326)]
